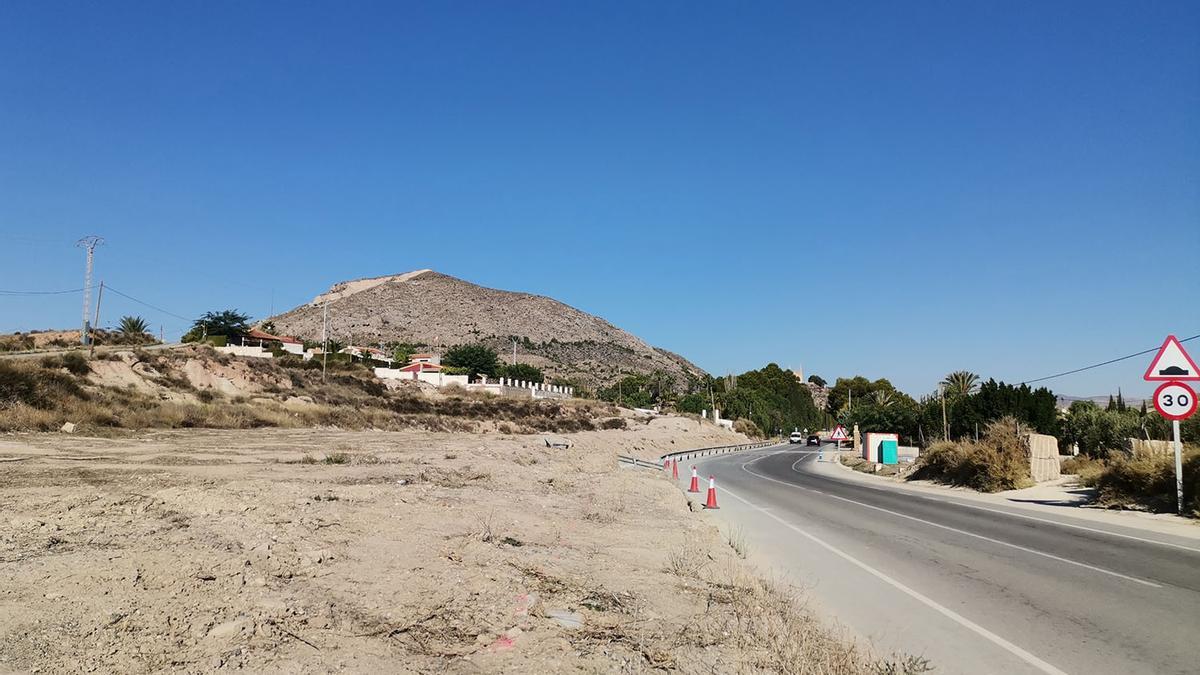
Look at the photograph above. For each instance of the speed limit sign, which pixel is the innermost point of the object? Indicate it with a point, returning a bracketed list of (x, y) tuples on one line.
[(1175, 400)]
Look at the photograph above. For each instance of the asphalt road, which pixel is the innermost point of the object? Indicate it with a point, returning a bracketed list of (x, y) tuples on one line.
[(972, 588)]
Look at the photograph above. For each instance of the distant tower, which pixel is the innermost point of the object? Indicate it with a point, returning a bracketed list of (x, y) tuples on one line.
[(88, 243)]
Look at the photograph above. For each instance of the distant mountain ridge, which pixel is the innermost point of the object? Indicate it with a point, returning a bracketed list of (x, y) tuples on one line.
[(430, 309), (1102, 400)]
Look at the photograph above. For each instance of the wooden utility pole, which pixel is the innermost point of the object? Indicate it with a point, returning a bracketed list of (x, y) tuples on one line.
[(945, 423)]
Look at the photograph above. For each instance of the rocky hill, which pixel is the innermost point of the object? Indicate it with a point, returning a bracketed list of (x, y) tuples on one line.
[(435, 311)]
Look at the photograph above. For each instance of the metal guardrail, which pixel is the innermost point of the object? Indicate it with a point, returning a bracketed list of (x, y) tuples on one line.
[(691, 454), (640, 463), (718, 450)]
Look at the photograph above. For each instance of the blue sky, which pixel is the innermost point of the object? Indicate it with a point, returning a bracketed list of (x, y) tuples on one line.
[(891, 189)]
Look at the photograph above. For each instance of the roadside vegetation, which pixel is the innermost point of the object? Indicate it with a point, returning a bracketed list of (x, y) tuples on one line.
[(1141, 482), (997, 461), (223, 323), (132, 331), (767, 402), (969, 405), (43, 394)]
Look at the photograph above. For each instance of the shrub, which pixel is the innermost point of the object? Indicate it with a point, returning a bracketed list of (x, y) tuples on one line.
[(613, 423), (748, 428), (1087, 468), (522, 371), (1149, 483), (477, 359), (74, 362), (999, 461), (35, 387)]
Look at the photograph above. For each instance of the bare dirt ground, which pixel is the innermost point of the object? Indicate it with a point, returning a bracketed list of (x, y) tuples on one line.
[(289, 550)]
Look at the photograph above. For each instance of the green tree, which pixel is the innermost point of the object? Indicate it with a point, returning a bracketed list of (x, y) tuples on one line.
[(226, 322), (133, 326), (477, 359), (886, 412), (1098, 432), (522, 371), (773, 399), (692, 403), (267, 327), (854, 390), (961, 383), (401, 354), (631, 391), (817, 380)]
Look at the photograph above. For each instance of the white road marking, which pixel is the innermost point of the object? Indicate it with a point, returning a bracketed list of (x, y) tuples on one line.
[(963, 532), (1077, 527), (1044, 520), (945, 611)]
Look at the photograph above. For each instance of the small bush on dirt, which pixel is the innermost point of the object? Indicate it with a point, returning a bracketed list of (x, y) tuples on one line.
[(74, 362), (613, 423), (999, 461), (1149, 483), (337, 458), (1087, 468), (748, 428), (736, 537), (688, 561), (36, 387)]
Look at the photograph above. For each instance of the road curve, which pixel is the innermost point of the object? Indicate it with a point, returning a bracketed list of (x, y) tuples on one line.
[(974, 589)]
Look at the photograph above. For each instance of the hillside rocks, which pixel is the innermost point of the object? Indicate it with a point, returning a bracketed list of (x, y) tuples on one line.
[(430, 309)]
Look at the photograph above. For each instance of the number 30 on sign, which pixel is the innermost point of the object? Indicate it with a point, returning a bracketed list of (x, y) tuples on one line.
[(1175, 400)]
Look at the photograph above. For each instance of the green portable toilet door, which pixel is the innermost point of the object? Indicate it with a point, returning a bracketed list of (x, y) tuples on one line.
[(888, 451)]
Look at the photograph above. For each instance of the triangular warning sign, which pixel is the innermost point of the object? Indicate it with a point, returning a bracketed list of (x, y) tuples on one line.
[(1172, 363), (839, 434)]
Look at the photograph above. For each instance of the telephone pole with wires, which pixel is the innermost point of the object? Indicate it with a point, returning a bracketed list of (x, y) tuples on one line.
[(88, 243)]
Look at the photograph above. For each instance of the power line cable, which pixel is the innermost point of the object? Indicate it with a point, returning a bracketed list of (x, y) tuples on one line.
[(1105, 363), (143, 302), (73, 290)]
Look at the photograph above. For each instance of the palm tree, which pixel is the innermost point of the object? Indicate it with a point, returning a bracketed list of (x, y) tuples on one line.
[(883, 398), (961, 383), (133, 326)]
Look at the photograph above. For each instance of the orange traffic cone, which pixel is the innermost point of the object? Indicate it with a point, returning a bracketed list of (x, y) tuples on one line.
[(695, 486), (675, 469), (711, 502)]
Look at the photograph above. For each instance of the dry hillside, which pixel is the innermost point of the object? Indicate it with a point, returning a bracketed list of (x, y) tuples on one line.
[(430, 309)]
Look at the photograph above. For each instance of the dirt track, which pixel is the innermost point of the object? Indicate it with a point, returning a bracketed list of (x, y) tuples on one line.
[(422, 552)]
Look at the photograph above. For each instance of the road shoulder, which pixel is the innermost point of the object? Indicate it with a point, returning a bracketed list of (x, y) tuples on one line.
[(1062, 504)]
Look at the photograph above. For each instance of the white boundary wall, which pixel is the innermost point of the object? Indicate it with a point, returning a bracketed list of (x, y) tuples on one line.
[(436, 379), (255, 351)]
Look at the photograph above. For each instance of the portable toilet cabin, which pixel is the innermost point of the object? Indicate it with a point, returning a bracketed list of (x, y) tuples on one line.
[(888, 451), (874, 450)]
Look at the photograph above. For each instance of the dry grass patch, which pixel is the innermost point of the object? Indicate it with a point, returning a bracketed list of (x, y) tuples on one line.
[(999, 461), (1148, 483)]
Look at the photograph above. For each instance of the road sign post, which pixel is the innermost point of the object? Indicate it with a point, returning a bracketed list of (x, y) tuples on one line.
[(1174, 399), (1178, 469)]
